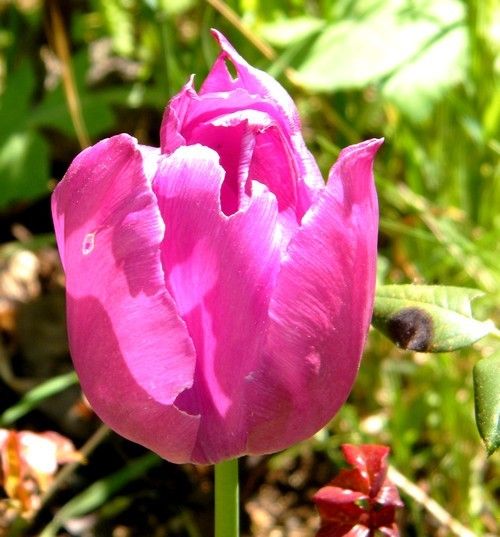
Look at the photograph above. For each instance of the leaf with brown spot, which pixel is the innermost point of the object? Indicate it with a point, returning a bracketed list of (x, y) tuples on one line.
[(428, 318)]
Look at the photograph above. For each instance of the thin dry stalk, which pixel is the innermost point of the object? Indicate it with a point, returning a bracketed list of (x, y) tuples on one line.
[(430, 505), (67, 470), (57, 36)]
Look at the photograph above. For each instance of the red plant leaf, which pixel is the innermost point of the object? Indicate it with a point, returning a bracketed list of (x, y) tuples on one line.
[(361, 501), (371, 461)]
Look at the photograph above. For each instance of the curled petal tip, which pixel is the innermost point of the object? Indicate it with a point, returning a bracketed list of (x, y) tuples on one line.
[(373, 144), (221, 39)]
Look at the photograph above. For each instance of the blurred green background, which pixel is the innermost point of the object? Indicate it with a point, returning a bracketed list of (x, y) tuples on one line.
[(424, 74)]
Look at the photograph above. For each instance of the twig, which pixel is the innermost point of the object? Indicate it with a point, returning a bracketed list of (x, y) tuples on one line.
[(438, 512), (19, 385), (67, 470), (57, 35), (231, 15)]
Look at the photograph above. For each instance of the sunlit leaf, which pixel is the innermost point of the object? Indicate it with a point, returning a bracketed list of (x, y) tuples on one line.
[(422, 80), (171, 7), (24, 154), (487, 400), (119, 21), (414, 50), (24, 168), (427, 318), (288, 31)]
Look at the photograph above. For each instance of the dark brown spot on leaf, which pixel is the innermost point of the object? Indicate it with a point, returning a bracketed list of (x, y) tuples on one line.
[(411, 328)]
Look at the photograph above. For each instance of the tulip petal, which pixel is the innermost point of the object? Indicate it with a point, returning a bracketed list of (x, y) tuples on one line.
[(321, 308), (255, 81), (174, 118), (234, 144), (259, 83), (131, 349), (249, 144), (220, 270), (252, 89), (188, 110)]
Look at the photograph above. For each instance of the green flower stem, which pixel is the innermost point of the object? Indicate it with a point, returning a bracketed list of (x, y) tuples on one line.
[(227, 515)]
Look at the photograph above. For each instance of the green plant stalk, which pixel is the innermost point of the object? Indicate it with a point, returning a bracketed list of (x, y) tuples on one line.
[(227, 516)]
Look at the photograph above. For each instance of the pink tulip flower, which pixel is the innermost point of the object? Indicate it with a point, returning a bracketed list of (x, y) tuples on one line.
[(218, 293)]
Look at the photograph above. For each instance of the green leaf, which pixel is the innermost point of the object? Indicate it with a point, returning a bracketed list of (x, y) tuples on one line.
[(414, 50), (35, 396), (286, 32), (119, 20), (172, 7), (417, 84), (24, 154), (24, 167), (15, 100), (428, 318), (486, 376), (99, 492), (96, 105)]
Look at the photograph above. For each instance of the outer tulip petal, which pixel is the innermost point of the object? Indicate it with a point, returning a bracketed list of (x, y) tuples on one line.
[(221, 271), (321, 307), (131, 349)]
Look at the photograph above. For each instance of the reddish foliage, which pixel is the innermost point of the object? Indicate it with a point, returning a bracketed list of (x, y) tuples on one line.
[(360, 502), (28, 462)]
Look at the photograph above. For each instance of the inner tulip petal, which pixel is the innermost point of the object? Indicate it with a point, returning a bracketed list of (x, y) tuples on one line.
[(221, 271), (234, 144), (250, 90), (252, 148), (171, 135), (269, 91)]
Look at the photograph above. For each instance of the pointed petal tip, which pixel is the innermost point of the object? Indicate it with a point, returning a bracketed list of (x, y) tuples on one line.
[(376, 143), (371, 146), (227, 48), (219, 36), (221, 39), (357, 154)]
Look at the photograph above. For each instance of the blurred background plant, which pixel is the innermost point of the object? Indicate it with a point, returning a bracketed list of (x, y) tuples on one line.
[(422, 73)]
